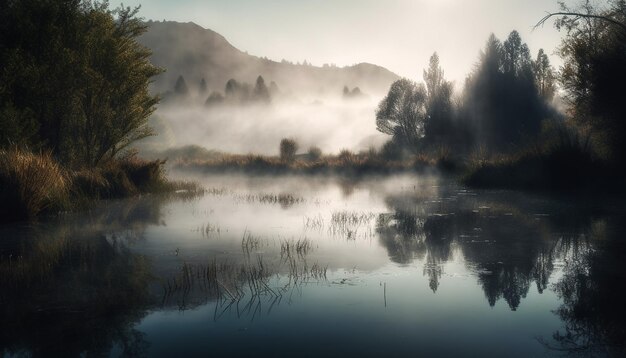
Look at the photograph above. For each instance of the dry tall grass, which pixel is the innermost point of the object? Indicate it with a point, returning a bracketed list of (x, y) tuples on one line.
[(33, 182), (30, 183)]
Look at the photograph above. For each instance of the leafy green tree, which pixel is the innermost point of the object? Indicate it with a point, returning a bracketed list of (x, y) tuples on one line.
[(74, 74), (402, 113)]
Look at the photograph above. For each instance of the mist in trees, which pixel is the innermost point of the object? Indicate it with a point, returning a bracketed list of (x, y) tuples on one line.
[(180, 88), (355, 93), (503, 103), (439, 109), (261, 93)]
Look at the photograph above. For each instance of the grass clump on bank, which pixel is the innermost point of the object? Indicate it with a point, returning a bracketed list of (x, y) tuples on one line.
[(30, 183), (33, 183)]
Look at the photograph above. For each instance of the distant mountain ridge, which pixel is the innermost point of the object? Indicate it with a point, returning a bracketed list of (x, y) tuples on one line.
[(196, 53)]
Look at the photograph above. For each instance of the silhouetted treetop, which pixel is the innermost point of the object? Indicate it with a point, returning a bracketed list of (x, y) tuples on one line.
[(544, 76), (516, 56), (180, 88), (261, 92), (438, 127), (502, 101)]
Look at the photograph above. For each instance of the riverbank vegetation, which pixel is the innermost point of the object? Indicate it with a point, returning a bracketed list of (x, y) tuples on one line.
[(34, 183), (314, 162), (73, 98)]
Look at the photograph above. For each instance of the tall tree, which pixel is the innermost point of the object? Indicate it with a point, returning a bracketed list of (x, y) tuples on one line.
[(544, 76), (516, 56), (75, 69), (402, 113), (594, 72), (501, 99), (438, 127)]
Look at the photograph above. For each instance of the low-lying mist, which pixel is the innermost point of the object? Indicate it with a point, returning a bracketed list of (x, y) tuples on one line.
[(330, 124)]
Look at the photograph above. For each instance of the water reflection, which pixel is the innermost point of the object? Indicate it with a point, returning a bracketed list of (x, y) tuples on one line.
[(509, 248), (73, 286), (506, 247), (85, 284), (592, 292)]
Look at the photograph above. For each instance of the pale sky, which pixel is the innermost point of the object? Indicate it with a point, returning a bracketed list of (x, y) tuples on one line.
[(397, 34)]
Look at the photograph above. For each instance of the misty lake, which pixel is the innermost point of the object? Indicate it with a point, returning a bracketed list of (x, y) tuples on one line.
[(317, 266)]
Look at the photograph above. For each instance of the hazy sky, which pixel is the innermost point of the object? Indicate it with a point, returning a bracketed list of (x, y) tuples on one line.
[(397, 34)]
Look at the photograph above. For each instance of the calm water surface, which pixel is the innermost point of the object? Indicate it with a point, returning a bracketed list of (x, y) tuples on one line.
[(297, 267)]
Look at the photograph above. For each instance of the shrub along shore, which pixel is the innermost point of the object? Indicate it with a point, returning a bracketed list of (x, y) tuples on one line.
[(345, 163)]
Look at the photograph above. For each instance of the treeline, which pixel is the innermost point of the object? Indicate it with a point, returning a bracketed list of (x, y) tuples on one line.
[(502, 107), (504, 124), (234, 92), (237, 92)]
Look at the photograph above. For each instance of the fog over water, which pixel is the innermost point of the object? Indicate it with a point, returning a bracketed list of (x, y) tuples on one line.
[(331, 125)]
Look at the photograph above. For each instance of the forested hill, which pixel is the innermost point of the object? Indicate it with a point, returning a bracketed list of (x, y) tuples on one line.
[(195, 53)]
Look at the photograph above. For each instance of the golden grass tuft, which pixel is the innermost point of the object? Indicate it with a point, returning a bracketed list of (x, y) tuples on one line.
[(30, 183)]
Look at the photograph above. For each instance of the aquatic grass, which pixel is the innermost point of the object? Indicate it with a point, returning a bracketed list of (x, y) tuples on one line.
[(208, 230), (348, 223), (217, 191), (231, 285), (249, 242), (284, 199), (300, 247), (314, 223)]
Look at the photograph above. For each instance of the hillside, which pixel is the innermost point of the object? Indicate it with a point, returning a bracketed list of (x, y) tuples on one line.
[(194, 52)]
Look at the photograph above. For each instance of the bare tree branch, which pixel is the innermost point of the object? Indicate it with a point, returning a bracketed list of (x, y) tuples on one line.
[(588, 16)]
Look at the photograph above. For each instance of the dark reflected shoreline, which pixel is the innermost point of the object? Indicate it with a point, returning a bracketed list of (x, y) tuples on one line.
[(77, 286)]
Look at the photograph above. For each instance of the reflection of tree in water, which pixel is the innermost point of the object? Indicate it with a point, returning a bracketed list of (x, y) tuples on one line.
[(409, 233), (506, 249), (399, 233), (593, 307), (509, 250), (70, 287), (509, 253)]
